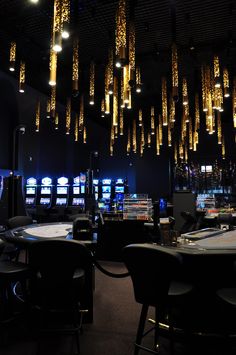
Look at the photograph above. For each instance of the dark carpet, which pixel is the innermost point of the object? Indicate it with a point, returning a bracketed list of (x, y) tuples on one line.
[(113, 331)]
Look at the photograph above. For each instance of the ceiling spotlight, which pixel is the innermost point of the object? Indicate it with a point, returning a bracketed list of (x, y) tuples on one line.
[(57, 47), (118, 64), (11, 68), (138, 88), (110, 89), (91, 102), (34, 1), (65, 34)]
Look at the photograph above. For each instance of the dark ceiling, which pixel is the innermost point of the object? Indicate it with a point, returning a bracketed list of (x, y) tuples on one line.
[(207, 25)]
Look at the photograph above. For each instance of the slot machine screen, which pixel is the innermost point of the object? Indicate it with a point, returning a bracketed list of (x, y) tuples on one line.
[(30, 190), (29, 200), (106, 189), (78, 201), (163, 206), (120, 197), (76, 190), (119, 189), (106, 181), (82, 189), (62, 190), (96, 188), (101, 205), (46, 190), (61, 201), (120, 181), (96, 196), (106, 196), (44, 201)]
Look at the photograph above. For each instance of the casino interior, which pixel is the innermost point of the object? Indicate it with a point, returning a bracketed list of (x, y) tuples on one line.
[(117, 177)]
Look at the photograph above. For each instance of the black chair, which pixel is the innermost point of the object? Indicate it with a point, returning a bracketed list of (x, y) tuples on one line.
[(153, 270), (189, 222), (19, 221), (60, 270)]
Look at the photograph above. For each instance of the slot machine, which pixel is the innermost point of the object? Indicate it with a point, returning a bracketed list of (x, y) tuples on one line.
[(62, 192), (77, 200), (119, 194), (106, 193), (95, 187), (30, 193), (45, 193), (82, 184)]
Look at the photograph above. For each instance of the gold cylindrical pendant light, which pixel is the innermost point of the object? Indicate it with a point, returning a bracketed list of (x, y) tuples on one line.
[(190, 134), (48, 113), (121, 121), (197, 113), (219, 128), (234, 101), (57, 121), (12, 61), (140, 117), (103, 108), (84, 135), (120, 34), (223, 147), (160, 130), (164, 102), (57, 26), (158, 143), (138, 80), (175, 77), (172, 110), (115, 103), (22, 77), (125, 83), (134, 137), (65, 19), (53, 67), (217, 82), (226, 82), (53, 102), (76, 127), (37, 117), (68, 115), (185, 91), (169, 135), (132, 53), (128, 142), (152, 121), (110, 72), (92, 83), (107, 96), (81, 114), (149, 139), (75, 68)]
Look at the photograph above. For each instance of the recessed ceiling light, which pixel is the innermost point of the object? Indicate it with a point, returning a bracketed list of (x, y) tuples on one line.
[(34, 1)]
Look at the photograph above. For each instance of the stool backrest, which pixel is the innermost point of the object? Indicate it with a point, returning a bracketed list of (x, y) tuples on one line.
[(152, 268)]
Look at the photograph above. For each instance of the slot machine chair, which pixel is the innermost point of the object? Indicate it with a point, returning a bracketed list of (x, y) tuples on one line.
[(82, 228), (59, 286), (154, 270)]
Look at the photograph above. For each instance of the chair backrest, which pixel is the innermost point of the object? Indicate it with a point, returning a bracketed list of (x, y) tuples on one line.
[(19, 221), (82, 228), (152, 268), (55, 263)]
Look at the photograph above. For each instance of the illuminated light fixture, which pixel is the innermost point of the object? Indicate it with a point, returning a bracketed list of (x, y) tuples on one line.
[(223, 148), (91, 83), (138, 80), (157, 141), (57, 121), (76, 127), (160, 133), (185, 92), (68, 116), (57, 24), (234, 102), (140, 118), (176, 154), (85, 135), (197, 113), (219, 128), (217, 71), (203, 77), (129, 107), (120, 34), (12, 56), (134, 140), (103, 108), (175, 76), (122, 104), (110, 72), (128, 149), (164, 102), (152, 121), (22, 77), (132, 54), (125, 83), (190, 134), (53, 103), (149, 140), (37, 117), (81, 114), (34, 1), (226, 82), (75, 68), (107, 96), (172, 110), (65, 18), (115, 103), (169, 135), (121, 122), (48, 108), (53, 68)]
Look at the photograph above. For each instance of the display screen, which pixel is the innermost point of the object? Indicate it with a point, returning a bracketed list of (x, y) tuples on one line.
[(82, 189), (120, 181), (163, 205), (106, 181), (46, 190), (96, 188), (106, 189), (76, 190), (96, 197), (61, 201), (119, 197), (30, 190), (62, 190), (106, 196), (206, 168), (44, 201), (78, 201), (29, 200), (95, 181), (120, 189)]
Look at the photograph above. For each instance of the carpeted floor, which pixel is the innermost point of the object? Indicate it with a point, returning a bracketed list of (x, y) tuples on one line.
[(113, 330)]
